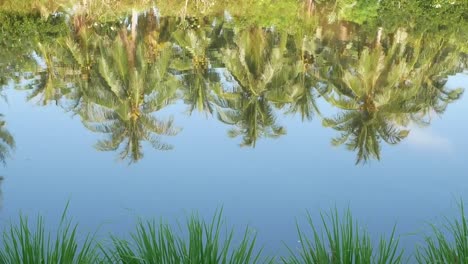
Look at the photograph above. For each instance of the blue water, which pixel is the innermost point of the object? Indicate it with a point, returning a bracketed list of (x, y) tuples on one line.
[(268, 188)]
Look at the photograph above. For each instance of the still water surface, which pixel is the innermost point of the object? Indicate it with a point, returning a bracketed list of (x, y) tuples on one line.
[(267, 184)]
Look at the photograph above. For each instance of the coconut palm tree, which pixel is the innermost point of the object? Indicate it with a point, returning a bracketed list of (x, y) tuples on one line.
[(297, 80), (376, 99), (248, 106), (128, 93), (49, 85), (198, 76), (385, 89), (363, 131), (1, 193), (7, 142), (437, 59)]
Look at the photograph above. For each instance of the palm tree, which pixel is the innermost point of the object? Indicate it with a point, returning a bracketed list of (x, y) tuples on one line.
[(81, 51), (385, 89), (248, 107), (49, 86), (363, 132), (199, 90), (297, 80), (129, 91), (7, 142), (198, 77), (1, 193), (377, 100), (437, 59)]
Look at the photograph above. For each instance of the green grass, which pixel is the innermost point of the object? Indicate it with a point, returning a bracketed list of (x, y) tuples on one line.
[(25, 244), (337, 239), (204, 243), (447, 244), (342, 241)]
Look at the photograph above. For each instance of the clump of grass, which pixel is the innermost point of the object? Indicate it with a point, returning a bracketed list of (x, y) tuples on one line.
[(448, 244), (30, 245), (342, 242), (205, 243)]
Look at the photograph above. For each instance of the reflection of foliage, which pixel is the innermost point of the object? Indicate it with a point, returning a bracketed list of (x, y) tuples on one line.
[(18, 33), (356, 11), (243, 68), (429, 15), (253, 65), (362, 132), (17, 30), (372, 104), (129, 91), (7, 143), (198, 77), (48, 86), (283, 14), (438, 58), (298, 84), (386, 88)]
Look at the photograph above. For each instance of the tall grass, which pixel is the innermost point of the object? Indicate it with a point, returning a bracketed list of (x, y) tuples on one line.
[(342, 242), (203, 243), (448, 244), (335, 240), (25, 244)]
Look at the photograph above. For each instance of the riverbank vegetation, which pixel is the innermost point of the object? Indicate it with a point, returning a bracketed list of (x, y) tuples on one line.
[(243, 68), (338, 239)]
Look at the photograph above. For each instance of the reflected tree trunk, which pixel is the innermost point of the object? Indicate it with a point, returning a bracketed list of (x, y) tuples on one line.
[(310, 6), (130, 43), (344, 32), (379, 37)]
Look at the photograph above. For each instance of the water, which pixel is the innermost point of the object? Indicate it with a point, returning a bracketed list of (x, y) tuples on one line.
[(267, 187)]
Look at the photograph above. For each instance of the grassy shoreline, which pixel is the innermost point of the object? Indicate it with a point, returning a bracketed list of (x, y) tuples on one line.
[(337, 238)]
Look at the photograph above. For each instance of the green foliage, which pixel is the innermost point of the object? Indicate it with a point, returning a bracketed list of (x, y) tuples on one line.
[(26, 244), (360, 12), (343, 242), (18, 36), (7, 142), (338, 239), (243, 66), (204, 243), (430, 15), (448, 244), (21, 30), (284, 15)]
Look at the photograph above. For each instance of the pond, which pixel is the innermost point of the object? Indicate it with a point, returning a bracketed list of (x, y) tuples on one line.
[(268, 110)]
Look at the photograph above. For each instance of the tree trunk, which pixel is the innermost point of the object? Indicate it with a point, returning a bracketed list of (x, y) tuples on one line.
[(130, 42), (344, 32), (134, 25), (379, 37), (310, 6)]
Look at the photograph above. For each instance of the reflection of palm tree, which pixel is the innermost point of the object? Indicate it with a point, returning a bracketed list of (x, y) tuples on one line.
[(253, 118), (198, 78), (384, 89), (437, 59), (81, 52), (129, 91), (1, 193), (196, 43), (363, 133), (49, 85), (7, 143), (376, 100), (253, 66), (199, 88), (297, 79)]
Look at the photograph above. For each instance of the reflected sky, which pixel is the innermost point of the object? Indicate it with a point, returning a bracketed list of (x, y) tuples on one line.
[(245, 69), (266, 187)]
